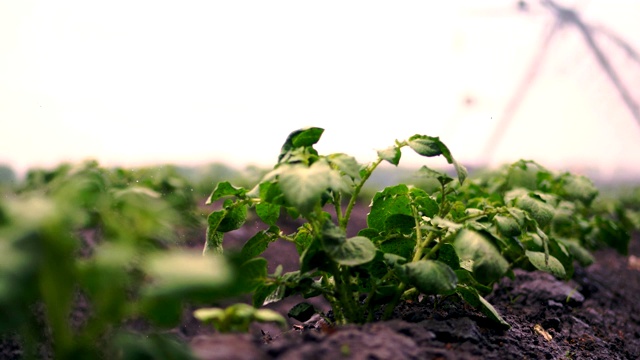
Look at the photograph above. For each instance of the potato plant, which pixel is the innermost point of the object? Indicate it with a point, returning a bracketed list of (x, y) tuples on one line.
[(82, 237), (456, 239), (84, 249)]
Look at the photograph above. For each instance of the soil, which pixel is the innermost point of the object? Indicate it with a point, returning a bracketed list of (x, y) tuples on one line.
[(596, 315)]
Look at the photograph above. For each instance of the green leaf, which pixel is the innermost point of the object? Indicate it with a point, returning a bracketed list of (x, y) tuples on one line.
[(302, 240), (268, 315), (303, 186), (251, 274), (233, 218), (401, 246), (425, 145), (480, 256), (447, 254), (424, 203), (300, 138), (214, 239), (354, 251), (473, 298), (465, 277), (268, 211), (507, 225), (357, 250), (611, 233), (306, 137), (225, 189), (510, 247), (313, 257), (523, 174), (461, 171), (258, 244), (578, 188), (552, 266), (182, 273), (432, 146), (213, 244), (581, 254), (539, 210), (302, 311), (346, 164), (488, 309), (391, 154), (393, 200), (370, 233), (271, 193), (558, 250), (427, 172), (400, 222), (393, 260), (237, 317), (532, 241), (209, 315), (564, 219), (430, 277), (332, 235), (273, 292)]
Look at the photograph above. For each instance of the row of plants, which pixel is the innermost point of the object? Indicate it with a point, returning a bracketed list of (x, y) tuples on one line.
[(85, 249), (452, 236)]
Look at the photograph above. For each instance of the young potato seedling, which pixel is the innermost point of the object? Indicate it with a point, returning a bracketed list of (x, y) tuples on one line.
[(457, 240)]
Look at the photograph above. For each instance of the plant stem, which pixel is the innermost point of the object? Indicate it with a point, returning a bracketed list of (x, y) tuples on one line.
[(478, 215), (345, 299), (337, 203), (443, 202), (388, 311), (374, 288), (352, 201), (417, 254), (333, 301), (433, 250)]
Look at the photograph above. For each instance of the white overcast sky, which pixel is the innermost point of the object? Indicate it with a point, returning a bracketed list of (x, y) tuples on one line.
[(143, 82)]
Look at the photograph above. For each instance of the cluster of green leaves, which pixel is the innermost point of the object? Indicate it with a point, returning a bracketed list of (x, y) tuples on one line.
[(83, 235), (237, 317), (450, 240)]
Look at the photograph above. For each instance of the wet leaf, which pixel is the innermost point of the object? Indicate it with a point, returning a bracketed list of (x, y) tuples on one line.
[(234, 216), (473, 298), (430, 277), (303, 186), (539, 210), (393, 200), (354, 251), (552, 265), (346, 164), (483, 257), (180, 273), (225, 189), (302, 138), (258, 243), (391, 154), (580, 188), (427, 172), (425, 145), (302, 311)]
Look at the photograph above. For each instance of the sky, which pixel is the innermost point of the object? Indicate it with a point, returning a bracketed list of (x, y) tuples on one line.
[(135, 83)]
